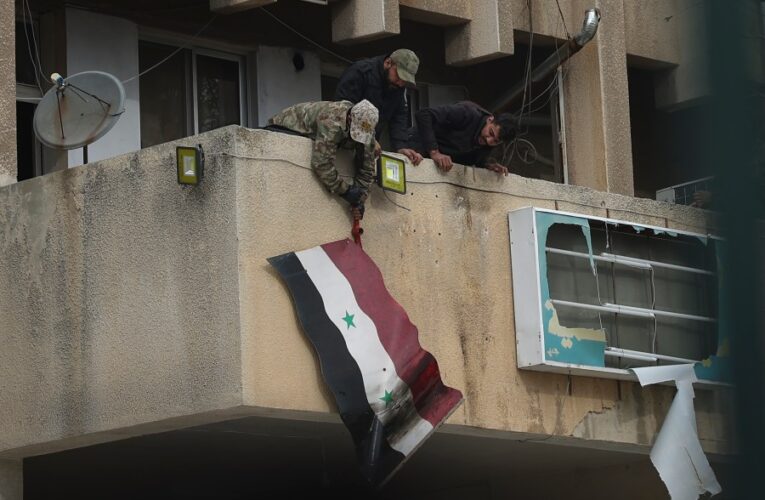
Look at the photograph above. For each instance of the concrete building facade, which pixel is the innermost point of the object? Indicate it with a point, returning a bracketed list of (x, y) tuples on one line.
[(146, 336)]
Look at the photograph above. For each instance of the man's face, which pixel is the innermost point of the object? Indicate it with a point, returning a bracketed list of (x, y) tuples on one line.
[(392, 72), (489, 133)]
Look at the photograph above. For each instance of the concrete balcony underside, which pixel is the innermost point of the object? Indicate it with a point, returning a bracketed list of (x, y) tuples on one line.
[(131, 305)]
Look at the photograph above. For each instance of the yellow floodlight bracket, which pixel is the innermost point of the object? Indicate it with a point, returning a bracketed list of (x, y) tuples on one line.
[(190, 163), (391, 172)]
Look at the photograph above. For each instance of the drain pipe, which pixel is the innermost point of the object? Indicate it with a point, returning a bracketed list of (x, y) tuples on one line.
[(549, 65)]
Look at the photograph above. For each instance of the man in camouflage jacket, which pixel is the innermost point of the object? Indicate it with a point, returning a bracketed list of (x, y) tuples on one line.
[(331, 125)]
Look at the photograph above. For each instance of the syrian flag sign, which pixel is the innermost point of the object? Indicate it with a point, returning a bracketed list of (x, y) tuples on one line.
[(387, 388)]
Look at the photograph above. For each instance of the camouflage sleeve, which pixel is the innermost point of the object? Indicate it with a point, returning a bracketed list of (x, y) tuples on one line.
[(323, 160), (366, 174)]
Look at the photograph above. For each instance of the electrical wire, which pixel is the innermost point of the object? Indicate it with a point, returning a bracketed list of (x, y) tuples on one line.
[(173, 53), (315, 44), (385, 192), (37, 68), (526, 196), (568, 36)]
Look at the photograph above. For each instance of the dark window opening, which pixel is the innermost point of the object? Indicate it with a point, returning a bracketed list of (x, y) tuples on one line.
[(165, 98), (536, 152), (666, 144), (25, 141), (186, 94), (217, 92), (25, 67)]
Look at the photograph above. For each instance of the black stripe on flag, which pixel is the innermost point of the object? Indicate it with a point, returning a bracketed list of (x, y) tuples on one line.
[(341, 373)]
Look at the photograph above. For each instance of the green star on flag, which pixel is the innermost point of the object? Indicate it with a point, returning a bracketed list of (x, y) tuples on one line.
[(388, 398), (349, 320)]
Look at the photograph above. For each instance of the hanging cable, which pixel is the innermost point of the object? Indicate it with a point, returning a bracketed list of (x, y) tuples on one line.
[(568, 36), (37, 69), (315, 44), (173, 53)]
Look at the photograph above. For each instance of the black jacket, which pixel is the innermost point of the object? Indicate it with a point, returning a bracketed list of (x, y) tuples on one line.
[(454, 130), (367, 79)]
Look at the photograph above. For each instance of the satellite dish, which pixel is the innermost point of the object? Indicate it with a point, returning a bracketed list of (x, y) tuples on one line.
[(79, 110)]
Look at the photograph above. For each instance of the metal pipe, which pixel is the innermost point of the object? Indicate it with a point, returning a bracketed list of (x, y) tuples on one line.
[(571, 47), (629, 353), (639, 312), (629, 261)]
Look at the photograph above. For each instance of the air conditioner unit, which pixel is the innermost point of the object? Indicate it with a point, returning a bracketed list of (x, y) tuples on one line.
[(597, 296), (682, 194)]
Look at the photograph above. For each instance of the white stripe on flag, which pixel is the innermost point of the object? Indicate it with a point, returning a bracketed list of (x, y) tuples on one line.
[(377, 368)]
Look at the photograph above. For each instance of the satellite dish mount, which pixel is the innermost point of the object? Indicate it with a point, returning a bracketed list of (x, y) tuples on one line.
[(79, 110)]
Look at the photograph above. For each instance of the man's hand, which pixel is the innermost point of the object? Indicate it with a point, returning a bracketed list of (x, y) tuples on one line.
[(413, 155), (355, 195), (496, 167), (357, 211), (378, 149), (442, 161)]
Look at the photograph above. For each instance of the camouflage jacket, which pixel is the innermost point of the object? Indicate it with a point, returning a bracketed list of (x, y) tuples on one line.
[(326, 123)]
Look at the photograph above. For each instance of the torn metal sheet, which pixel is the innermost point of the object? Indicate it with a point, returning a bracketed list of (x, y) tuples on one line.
[(566, 345), (677, 453)]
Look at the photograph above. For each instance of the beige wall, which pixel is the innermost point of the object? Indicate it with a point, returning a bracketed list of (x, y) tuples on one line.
[(131, 304), (7, 93)]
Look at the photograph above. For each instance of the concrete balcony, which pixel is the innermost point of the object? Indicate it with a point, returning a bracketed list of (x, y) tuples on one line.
[(131, 305)]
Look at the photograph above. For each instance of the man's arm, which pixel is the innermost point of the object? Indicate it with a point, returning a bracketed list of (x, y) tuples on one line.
[(323, 158), (366, 175), (452, 115), (351, 85)]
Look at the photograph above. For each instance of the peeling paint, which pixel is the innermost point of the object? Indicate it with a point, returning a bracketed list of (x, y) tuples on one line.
[(566, 345), (718, 366)]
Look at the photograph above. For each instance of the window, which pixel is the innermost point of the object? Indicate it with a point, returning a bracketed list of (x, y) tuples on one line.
[(28, 94), (193, 91), (599, 296)]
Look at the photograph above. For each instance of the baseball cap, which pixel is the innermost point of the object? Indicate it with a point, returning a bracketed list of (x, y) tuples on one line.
[(364, 117), (407, 64)]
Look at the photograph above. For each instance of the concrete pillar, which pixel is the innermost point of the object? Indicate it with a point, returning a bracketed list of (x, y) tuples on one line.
[(364, 20), (488, 35), (11, 480), (7, 93), (597, 112), (229, 6), (437, 12)]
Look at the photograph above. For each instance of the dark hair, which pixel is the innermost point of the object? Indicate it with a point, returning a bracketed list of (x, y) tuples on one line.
[(506, 124)]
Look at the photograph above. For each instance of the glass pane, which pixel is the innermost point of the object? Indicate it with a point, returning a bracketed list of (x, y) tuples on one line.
[(164, 98), (25, 70), (217, 92)]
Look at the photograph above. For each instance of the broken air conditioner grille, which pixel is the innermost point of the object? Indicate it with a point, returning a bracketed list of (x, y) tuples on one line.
[(610, 295)]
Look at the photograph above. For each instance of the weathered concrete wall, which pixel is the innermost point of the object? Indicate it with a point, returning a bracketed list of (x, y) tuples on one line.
[(363, 20), (447, 262), (130, 300), (7, 93), (118, 297)]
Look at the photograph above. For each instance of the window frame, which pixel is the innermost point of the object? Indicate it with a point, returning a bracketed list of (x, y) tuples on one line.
[(210, 48)]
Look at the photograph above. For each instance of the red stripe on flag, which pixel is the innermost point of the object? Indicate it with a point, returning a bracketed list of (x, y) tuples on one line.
[(415, 366)]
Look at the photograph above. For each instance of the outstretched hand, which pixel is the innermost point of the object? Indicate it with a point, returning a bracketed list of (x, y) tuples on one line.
[(496, 167), (413, 155), (442, 161)]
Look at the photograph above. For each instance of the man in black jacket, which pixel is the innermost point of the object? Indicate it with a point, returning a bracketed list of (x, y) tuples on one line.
[(463, 133), (382, 81)]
